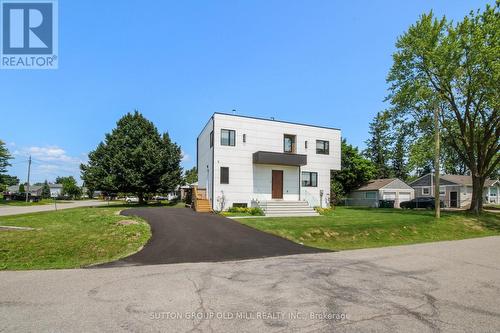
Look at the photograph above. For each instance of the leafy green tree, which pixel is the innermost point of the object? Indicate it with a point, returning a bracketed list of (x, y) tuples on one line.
[(9, 180), (70, 187), (45, 190), (21, 188), (4, 157), (355, 171), (134, 158), (454, 68), (378, 146), (191, 176)]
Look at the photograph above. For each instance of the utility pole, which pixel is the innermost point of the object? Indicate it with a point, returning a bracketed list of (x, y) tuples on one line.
[(28, 185), (437, 198)]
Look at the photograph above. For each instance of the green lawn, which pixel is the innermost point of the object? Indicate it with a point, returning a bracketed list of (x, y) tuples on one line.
[(69, 238), (353, 228)]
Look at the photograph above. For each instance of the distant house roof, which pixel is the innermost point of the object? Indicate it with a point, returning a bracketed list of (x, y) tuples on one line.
[(462, 180), (55, 185)]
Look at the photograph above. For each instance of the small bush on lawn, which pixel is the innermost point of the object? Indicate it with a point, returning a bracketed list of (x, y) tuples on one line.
[(255, 211), (324, 211)]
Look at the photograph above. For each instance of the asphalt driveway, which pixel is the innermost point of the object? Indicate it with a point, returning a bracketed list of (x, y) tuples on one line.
[(182, 235)]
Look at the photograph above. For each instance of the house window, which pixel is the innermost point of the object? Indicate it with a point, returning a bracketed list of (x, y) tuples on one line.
[(426, 190), (211, 139), (322, 147), (305, 144), (309, 179), (370, 195), (244, 138), (224, 175), (289, 143), (227, 137), (442, 191)]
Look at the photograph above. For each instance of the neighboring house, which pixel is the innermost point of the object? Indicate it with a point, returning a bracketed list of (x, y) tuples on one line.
[(247, 161), (391, 189), (34, 190), (456, 190), (55, 190)]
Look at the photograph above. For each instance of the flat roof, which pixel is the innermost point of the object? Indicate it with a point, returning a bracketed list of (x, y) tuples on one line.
[(277, 121)]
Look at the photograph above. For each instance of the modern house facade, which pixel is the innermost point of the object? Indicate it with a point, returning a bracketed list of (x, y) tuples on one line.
[(456, 190), (389, 189), (247, 161)]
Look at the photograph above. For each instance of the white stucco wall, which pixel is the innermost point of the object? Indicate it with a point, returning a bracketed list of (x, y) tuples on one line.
[(248, 181), (204, 159)]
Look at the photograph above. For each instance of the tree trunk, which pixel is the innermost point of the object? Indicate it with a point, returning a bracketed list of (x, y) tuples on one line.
[(437, 196), (141, 198), (476, 204)]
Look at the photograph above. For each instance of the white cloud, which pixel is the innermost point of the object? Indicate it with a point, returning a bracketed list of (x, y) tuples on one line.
[(50, 162), (185, 157)]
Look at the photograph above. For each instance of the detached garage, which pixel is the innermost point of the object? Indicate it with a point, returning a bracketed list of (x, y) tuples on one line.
[(389, 189)]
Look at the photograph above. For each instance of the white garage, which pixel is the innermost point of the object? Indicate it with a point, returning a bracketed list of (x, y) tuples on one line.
[(390, 189)]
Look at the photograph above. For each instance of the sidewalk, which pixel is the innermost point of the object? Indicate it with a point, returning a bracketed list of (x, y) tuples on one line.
[(15, 210)]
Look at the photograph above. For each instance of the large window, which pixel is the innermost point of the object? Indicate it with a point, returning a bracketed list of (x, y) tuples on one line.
[(227, 137), (309, 179), (371, 195), (289, 143), (322, 147), (224, 175)]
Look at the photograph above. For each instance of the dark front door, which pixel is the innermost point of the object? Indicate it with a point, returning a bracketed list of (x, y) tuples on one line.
[(453, 199), (277, 187)]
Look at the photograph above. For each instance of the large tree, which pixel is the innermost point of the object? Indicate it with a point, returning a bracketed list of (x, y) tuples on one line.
[(355, 171), (4, 157), (455, 69), (191, 176), (70, 187), (378, 145), (134, 158)]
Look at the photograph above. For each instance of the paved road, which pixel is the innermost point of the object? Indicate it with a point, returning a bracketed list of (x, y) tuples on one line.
[(435, 287), (14, 210), (182, 235)]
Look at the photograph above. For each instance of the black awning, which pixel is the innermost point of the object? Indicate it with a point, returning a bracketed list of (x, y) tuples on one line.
[(268, 157)]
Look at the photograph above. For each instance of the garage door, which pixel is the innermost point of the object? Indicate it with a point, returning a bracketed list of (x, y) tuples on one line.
[(389, 196), (403, 196)]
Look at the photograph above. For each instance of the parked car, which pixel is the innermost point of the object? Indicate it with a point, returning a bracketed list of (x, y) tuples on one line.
[(160, 197), (131, 199), (422, 202)]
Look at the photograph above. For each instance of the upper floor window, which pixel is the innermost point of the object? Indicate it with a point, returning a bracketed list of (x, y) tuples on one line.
[(227, 137), (244, 138), (322, 147), (211, 139), (289, 143), (309, 179), (426, 190)]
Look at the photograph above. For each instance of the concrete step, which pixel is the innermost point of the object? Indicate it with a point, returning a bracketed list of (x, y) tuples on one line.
[(288, 208), (292, 214)]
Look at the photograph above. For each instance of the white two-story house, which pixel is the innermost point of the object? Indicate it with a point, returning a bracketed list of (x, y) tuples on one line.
[(248, 161)]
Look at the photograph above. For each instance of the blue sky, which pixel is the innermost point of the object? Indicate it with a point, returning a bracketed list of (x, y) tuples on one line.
[(318, 62)]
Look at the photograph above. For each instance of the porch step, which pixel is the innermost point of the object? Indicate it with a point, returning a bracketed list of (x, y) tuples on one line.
[(287, 208), (203, 206)]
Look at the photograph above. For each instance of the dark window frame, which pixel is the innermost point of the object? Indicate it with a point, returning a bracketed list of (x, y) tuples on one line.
[(231, 137), (326, 147), (224, 178), (244, 138), (293, 145), (211, 139), (311, 181)]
